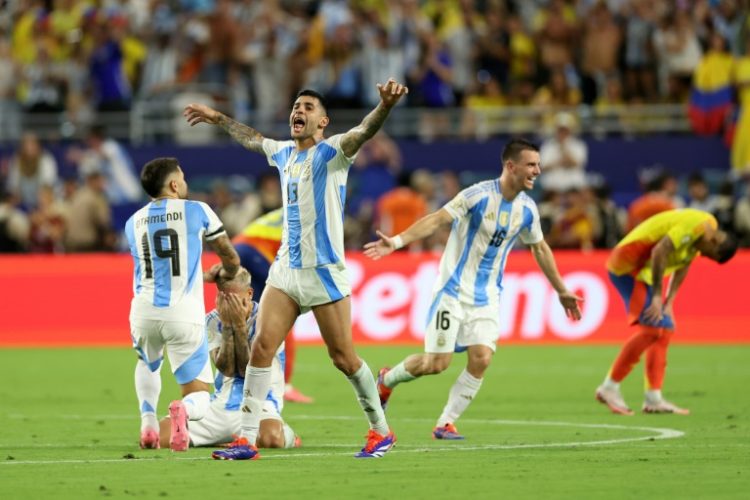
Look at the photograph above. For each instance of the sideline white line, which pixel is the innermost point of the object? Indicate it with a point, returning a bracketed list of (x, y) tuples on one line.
[(657, 433)]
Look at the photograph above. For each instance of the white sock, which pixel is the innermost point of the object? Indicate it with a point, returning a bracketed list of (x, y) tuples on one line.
[(610, 384), (289, 436), (147, 389), (196, 404), (367, 394), (653, 396), (459, 397), (257, 383), (396, 375)]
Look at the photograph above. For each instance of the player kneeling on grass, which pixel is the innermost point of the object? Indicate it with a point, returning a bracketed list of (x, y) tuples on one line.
[(486, 219), (230, 329), (663, 244)]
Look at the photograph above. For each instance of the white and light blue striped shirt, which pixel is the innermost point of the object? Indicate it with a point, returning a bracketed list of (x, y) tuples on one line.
[(166, 242), (228, 390), (485, 227), (313, 186)]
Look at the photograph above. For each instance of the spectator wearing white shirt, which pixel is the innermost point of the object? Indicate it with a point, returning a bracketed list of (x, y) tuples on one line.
[(564, 157)]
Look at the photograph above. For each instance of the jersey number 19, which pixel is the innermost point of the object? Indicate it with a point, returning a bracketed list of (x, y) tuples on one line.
[(172, 252)]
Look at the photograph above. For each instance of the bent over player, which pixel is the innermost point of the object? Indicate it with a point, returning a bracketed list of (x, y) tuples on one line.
[(664, 244), (166, 242), (487, 219)]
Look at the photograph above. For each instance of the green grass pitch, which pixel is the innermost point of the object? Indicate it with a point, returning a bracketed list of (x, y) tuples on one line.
[(68, 419)]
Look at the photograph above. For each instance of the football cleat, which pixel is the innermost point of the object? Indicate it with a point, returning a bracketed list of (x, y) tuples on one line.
[(383, 391), (293, 395), (377, 445), (239, 449), (447, 432), (149, 439), (613, 399), (664, 406), (179, 439)]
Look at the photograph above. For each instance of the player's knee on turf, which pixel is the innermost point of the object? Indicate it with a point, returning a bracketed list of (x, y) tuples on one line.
[(271, 434)]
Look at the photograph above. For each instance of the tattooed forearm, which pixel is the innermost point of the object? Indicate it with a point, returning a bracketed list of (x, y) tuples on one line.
[(230, 261), (225, 357), (247, 136), (241, 350), (353, 140)]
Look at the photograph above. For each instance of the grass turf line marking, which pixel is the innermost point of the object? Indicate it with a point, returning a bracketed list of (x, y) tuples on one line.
[(660, 433)]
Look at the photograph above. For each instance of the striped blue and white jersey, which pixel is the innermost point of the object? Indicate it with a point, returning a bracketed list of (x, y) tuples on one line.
[(313, 186), (166, 242), (228, 390), (485, 227)]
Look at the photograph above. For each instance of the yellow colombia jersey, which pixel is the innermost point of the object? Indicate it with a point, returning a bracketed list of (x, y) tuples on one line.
[(633, 254), (264, 233)]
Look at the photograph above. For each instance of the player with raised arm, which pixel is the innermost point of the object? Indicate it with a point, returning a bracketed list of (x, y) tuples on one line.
[(166, 242), (231, 329), (309, 272), (487, 218), (664, 244)]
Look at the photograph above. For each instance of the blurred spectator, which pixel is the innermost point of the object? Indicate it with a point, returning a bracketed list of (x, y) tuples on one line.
[(725, 207), (729, 19), (14, 225), (741, 143), (711, 95), (609, 218), (564, 157), (90, 229), (160, 67), (31, 168), (431, 77), (574, 225), (375, 172), (522, 50), (493, 48), (107, 157), (235, 214), (700, 196), (9, 119), (678, 52), (602, 39), (461, 38), (557, 92), (639, 51), (658, 197), (42, 82), (480, 115), (48, 223), (380, 60), (110, 84), (399, 208), (556, 28)]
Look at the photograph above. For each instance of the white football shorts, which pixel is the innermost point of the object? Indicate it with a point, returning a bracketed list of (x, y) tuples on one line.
[(186, 343), (453, 326), (311, 286)]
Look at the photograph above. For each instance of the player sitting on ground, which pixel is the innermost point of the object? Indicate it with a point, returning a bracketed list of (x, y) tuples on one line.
[(230, 329)]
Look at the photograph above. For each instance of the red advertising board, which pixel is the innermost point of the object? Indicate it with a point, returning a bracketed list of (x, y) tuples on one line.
[(85, 299)]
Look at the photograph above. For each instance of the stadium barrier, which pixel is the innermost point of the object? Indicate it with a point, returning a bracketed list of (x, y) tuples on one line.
[(84, 300)]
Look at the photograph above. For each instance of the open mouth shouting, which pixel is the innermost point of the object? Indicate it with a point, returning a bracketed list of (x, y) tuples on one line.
[(298, 124)]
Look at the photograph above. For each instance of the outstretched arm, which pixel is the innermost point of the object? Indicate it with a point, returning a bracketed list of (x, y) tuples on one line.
[(390, 93), (423, 228), (546, 260), (247, 136)]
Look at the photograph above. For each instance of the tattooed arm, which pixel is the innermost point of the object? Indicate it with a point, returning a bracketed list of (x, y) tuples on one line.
[(230, 261), (390, 93), (247, 136)]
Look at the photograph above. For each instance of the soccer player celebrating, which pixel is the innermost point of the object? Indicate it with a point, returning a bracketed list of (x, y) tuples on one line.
[(165, 239), (231, 329), (309, 272), (664, 244), (487, 219)]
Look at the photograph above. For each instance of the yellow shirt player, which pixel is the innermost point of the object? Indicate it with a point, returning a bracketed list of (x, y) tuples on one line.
[(662, 245)]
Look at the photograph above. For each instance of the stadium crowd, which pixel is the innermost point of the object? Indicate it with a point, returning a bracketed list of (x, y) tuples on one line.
[(80, 58)]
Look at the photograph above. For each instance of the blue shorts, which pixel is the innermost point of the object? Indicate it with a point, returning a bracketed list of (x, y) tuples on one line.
[(637, 296)]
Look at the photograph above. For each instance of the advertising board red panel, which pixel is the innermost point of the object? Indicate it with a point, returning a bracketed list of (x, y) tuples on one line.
[(85, 299)]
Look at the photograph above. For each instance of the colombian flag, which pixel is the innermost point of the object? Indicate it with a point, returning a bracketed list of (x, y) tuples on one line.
[(711, 98)]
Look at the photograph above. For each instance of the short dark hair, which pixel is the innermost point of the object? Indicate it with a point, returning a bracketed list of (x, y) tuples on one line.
[(727, 249), (155, 173), (317, 95), (515, 147)]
